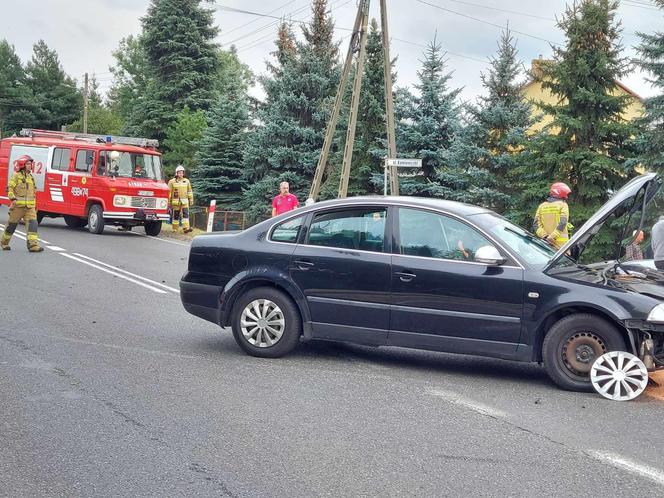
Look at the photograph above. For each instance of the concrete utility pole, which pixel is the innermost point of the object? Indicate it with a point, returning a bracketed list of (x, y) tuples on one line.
[(85, 105), (358, 44)]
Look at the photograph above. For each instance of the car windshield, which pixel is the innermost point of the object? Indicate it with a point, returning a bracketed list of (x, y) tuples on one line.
[(527, 246), (130, 165)]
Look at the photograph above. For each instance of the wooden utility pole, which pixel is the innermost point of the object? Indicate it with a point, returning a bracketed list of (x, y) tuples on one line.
[(354, 105), (358, 44), (332, 125), (389, 99), (85, 105)]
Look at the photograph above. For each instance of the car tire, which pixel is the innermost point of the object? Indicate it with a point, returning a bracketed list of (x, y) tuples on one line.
[(74, 221), (152, 228), (258, 338), (96, 219), (573, 344)]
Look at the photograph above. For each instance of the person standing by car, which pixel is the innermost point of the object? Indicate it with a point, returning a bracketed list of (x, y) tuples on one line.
[(285, 201), (658, 243), (633, 251), (21, 193), (552, 216), (180, 199)]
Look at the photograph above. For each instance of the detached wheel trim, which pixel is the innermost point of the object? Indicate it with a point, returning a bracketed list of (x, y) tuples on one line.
[(262, 323), (619, 376)]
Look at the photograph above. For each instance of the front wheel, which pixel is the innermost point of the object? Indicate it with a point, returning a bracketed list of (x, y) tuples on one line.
[(573, 344), (266, 323), (96, 219), (152, 228), (74, 221)]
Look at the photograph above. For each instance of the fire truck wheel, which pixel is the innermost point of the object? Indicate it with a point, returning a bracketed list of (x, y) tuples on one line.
[(96, 219), (74, 221), (40, 216), (152, 228)]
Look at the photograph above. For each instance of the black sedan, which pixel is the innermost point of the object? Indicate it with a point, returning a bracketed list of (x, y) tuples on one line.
[(428, 274)]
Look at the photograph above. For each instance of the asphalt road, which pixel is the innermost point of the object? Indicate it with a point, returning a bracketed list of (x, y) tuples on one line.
[(108, 388)]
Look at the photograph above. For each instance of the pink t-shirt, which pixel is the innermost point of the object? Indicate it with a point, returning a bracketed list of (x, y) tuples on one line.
[(284, 203)]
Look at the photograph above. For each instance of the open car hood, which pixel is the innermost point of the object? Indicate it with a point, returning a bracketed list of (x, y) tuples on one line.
[(617, 205)]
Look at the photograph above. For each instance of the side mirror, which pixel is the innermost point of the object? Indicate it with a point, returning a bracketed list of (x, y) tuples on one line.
[(489, 255)]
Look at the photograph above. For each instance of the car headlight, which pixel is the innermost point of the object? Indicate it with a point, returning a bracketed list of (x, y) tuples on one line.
[(656, 314), (163, 204), (120, 200)]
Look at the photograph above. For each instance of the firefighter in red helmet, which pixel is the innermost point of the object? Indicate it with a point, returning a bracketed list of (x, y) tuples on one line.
[(551, 220), (21, 193)]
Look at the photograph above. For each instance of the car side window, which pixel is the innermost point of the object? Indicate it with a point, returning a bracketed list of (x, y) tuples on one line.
[(288, 231), (61, 158), (427, 234), (361, 228)]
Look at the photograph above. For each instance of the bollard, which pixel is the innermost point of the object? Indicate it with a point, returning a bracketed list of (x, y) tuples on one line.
[(210, 223)]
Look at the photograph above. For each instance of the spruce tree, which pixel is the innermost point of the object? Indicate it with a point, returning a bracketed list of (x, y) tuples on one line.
[(587, 144), (300, 92), (219, 168), (182, 138), (488, 150), (430, 120), (130, 79), (181, 61), (58, 101), (651, 142), (17, 106)]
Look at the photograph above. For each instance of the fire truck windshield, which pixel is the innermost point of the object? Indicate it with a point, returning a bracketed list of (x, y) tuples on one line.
[(130, 165)]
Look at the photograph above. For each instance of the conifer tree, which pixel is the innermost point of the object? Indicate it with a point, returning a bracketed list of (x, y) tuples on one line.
[(219, 168), (651, 142), (429, 121), (487, 151), (181, 62), (130, 79), (182, 139), (300, 91), (588, 143), (58, 101), (17, 106)]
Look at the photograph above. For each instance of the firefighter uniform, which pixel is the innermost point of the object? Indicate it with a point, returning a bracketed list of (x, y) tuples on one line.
[(181, 198), (22, 192), (551, 221)]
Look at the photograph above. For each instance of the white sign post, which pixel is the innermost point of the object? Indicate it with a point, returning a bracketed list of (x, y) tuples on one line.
[(210, 223), (399, 163)]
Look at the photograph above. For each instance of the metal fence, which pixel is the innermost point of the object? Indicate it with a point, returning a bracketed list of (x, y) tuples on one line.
[(223, 220)]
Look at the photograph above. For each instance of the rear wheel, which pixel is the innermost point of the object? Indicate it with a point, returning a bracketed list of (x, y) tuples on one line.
[(74, 221), (96, 219), (40, 216), (573, 344), (266, 323), (153, 228)]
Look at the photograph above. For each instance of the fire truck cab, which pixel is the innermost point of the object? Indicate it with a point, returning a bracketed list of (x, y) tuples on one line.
[(92, 180)]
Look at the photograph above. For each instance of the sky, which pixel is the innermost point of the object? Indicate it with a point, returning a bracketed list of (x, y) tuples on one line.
[(85, 32)]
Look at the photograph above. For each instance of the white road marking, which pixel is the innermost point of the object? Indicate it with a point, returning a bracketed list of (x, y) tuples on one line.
[(114, 273), (630, 466), (475, 406), (56, 248), (23, 233), (158, 284)]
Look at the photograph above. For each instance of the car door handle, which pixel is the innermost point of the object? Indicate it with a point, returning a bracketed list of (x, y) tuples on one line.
[(303, 265), (405, 276)]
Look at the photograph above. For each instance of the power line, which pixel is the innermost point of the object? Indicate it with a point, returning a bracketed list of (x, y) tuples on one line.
[(254, 20), (484, 21), (454, 54), (502, 10)]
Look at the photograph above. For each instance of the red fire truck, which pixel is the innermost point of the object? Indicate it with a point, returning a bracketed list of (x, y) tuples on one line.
[(92, 180)]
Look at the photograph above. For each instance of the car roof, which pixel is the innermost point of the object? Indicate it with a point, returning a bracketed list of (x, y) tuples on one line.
[(454, 207)]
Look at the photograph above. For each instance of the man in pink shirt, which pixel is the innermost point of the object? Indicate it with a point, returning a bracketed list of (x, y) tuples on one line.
[(284, 202)]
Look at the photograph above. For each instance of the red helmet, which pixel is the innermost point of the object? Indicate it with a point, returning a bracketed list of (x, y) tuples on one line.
[(560, 190), (20, 163)]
